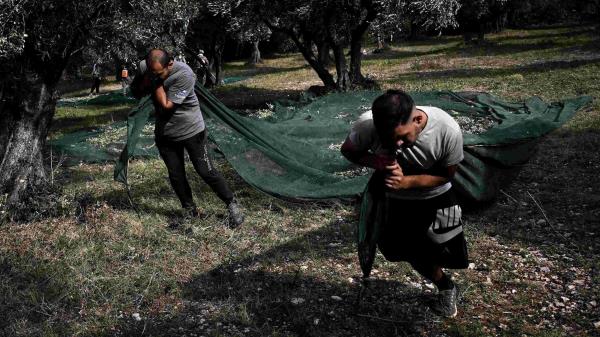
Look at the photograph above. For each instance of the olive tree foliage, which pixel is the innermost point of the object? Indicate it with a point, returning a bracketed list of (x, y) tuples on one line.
[(138, 26), (163, 24), (12, 27), (402, 17), (39, 39), (242, 26), (390, 22), (434, 14)]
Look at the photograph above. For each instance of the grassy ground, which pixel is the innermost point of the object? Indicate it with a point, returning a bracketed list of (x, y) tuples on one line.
[(100, 268)]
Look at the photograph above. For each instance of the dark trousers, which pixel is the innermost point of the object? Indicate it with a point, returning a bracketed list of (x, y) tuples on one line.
[(196, 147), (96, 85)]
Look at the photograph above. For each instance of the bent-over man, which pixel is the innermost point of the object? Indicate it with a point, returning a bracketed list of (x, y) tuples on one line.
[(415, 151)]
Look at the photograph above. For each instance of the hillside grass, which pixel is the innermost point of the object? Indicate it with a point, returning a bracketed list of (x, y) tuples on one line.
[(105, 268)]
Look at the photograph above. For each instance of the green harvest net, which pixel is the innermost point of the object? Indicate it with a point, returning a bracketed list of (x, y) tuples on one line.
[(293, 151)]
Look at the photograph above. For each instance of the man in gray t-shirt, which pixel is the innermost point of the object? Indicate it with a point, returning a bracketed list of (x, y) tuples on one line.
[(186, 120), (180, 126), (415, 151)]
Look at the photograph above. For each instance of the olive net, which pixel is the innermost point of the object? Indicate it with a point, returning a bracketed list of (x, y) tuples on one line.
[(293, 151)]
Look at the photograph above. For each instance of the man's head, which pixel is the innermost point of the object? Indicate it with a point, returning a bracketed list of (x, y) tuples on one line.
[(159, 63), (397, 120)]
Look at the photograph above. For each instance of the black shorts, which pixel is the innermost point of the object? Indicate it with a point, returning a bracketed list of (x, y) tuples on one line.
[(424, 232)]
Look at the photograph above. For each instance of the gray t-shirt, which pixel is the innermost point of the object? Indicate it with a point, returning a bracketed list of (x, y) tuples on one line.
[(186, 120), (438, 146)]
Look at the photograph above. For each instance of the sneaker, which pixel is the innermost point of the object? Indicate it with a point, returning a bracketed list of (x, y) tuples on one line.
[(446, 302), (236, 217)]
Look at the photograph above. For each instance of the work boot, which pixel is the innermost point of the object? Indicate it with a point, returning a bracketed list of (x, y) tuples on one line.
[(236, 217), (446, 302)]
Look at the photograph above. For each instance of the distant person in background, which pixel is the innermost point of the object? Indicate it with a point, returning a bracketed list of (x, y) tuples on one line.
[(124, 79), (180, 128), (96, 79), (205, 77)]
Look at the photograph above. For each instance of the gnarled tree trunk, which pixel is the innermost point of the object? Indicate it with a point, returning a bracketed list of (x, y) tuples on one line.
[(217, 60), (323, 54), (341, 67), (305, 48), (26, 111), (255, 55), (356, 75), (313, 61), (356, 38)]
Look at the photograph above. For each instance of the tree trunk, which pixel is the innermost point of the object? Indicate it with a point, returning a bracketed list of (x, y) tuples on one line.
[(306, 51), (217, 61), (341, 67), (380, 44), (219, 64), (481, 34), (356, 38), (255, 55), (26, 111), (313, 61), (118, 66), (356, 75), (323, 54)]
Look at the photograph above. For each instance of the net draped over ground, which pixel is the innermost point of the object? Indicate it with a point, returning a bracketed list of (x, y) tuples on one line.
[(293, 151)]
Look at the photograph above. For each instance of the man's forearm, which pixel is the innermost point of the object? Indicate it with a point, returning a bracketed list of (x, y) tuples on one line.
[(161, 98), (424, 181)]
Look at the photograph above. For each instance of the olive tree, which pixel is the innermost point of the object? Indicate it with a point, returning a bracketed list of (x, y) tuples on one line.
[(318, 27), (38, 40)]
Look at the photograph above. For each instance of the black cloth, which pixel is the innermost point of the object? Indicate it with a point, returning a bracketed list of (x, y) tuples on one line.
[(172, 153), (406, 233)]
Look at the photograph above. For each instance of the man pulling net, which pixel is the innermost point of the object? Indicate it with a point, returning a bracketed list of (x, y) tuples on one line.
[(415, 151), (180, 126)]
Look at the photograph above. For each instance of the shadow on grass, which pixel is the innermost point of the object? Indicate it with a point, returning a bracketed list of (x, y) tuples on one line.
[(488, 48), (35, 296), (246, 297), (244, 70), (492, 46), (585, 30), (70, 124), (559, 184), (243, 97), (398, 54), (537, 67)]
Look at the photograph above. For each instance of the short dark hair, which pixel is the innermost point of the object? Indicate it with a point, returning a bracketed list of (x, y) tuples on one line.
[(162, 57), (391, 109)]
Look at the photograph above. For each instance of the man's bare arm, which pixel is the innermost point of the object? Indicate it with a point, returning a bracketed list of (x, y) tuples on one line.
[(398, 182), (161, 98)]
